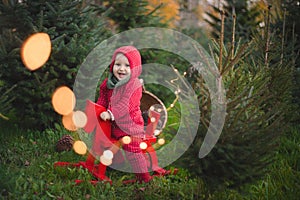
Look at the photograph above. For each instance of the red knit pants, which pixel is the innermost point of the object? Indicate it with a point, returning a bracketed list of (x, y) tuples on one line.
[(136, 157)]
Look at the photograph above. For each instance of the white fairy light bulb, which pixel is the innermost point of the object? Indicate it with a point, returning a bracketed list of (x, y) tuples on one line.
[(143, 145), (152, 119), (105, 161), (156, 132), (108, 154), (161, 141), (126, 140)]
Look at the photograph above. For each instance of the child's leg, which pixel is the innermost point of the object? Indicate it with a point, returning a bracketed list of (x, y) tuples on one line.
[(137, 160)]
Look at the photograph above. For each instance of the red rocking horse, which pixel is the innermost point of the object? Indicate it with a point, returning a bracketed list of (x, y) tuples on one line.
[(155, 117)]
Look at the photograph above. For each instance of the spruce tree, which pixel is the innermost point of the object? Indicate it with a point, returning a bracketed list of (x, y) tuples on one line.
[(258, 88), (74, 30), (130, 14), (238, 12)]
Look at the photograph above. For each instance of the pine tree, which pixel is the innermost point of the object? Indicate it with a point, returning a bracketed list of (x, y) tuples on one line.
[(258, 86), (246, 19), (74, 30), (133, 14)]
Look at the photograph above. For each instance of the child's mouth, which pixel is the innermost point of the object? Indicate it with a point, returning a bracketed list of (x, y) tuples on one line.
[(121, 75)]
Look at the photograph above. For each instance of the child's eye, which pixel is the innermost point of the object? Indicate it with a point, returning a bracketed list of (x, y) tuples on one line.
[(127, 65)]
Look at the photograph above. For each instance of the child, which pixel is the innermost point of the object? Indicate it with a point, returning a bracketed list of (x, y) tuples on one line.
[(120, 93)]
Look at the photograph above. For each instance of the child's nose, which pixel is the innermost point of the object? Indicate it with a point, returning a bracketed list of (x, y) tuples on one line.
[(122, 67)]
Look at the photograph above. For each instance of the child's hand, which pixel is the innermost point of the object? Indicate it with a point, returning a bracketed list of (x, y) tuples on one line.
[(105, 116)]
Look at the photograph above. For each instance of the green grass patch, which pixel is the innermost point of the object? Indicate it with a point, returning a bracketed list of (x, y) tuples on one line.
[(27, 172)]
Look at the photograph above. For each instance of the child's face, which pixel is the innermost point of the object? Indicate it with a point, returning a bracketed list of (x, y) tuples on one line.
[(121, 68)]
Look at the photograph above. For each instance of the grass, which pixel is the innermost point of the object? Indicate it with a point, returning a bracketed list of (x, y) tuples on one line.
[(27, 172)]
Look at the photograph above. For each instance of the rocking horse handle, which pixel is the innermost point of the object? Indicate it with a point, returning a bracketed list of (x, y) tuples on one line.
[(152, 122)]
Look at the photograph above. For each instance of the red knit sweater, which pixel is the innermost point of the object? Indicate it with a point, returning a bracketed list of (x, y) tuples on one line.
[(124, 101)]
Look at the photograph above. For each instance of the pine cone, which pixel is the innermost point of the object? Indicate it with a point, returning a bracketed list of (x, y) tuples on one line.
[(65, 143)]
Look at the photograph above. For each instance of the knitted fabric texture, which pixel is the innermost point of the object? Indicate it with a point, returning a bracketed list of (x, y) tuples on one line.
[(124, 103)]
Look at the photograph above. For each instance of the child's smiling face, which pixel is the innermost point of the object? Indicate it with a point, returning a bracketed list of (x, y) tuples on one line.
[(121, 68)]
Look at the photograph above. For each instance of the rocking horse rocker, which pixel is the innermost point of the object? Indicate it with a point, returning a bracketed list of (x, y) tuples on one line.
[(108, 149)]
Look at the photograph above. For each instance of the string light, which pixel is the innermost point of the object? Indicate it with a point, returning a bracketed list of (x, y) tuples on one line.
[(152, 119), (152, 108), (143, 145), (108, 154), (157, 132), (161, 141), (105, 161), (126, 140)]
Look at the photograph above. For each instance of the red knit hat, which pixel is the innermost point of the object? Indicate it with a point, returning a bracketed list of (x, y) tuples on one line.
[(134, 58)]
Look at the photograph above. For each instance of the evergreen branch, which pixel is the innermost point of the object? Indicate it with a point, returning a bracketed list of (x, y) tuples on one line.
[(221, 41), (283, 35), (233, 35), (267, 44), (238, 56), (3, 117)]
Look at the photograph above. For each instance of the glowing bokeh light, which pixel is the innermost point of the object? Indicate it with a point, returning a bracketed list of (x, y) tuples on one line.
[(161, 141), (108, 154), (143, 145), (157, 132), (126, 140), (80, 147), (152, 119), (63, 100), (67, 121), (79, 119), (105, 161), (36, 50)]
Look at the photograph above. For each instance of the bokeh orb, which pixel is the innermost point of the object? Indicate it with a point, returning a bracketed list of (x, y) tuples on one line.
[(79, 119), (143, 145), (108, 154), (63, 100), (80, 147), (161, 141), (126, 140), (36, 50), (67, 121), (105, 161)]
